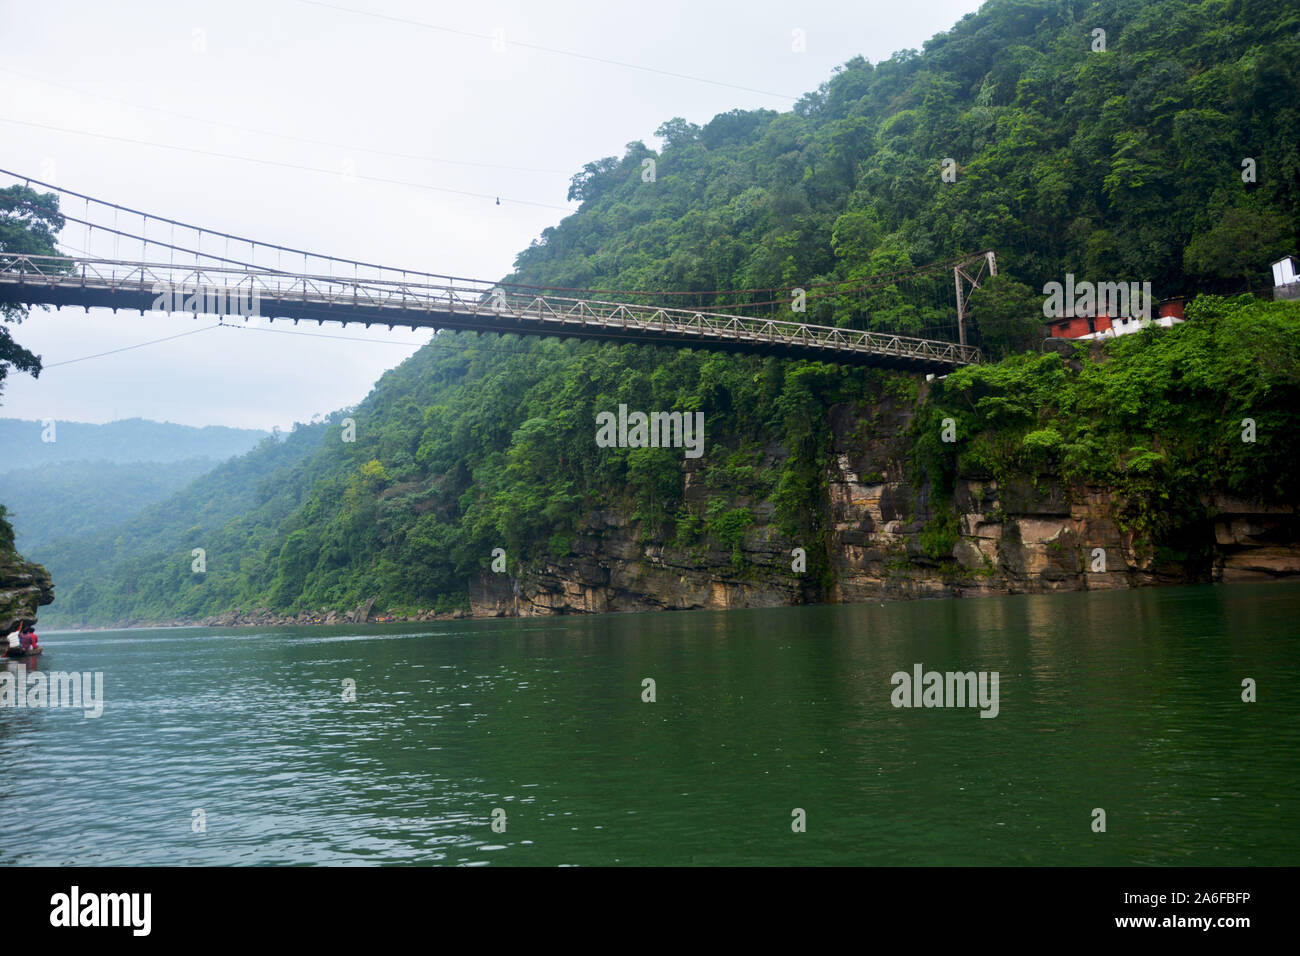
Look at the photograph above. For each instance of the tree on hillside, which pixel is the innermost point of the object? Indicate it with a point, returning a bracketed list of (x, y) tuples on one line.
[(1240, 245), (29, 222), (587, 185), (1009, 316), (677, 132)]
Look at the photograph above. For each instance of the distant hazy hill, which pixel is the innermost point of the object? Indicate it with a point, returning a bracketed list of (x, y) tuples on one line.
[(239, 504), (77, 498), (129, 440)]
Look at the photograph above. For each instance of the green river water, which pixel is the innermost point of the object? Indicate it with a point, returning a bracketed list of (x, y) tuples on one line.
[(220, 746)]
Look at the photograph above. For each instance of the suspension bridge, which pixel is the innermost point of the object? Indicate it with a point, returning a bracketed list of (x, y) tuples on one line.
[(254, 280)]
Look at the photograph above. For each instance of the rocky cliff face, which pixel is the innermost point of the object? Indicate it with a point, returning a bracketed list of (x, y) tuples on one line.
[(1031, 534), (882, 537), (23, 588), (612, 569)]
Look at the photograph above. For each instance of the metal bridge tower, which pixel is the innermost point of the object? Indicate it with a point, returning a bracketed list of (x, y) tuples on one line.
[(959, 272)]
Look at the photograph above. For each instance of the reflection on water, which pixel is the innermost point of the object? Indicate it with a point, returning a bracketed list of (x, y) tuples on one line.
[(241, 746)]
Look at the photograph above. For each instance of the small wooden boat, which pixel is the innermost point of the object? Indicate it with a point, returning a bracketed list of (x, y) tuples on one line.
[(17, 653)]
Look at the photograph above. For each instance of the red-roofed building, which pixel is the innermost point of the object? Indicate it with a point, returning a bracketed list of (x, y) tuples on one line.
[(1169, 314)]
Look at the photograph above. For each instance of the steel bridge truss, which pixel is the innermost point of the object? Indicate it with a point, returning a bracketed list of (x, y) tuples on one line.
[(240, 293)]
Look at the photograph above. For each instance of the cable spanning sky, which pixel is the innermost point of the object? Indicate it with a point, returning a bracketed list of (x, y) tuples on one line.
[(384, 131)]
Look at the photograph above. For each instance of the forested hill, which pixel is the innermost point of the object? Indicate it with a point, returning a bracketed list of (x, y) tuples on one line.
[(1122, 165)]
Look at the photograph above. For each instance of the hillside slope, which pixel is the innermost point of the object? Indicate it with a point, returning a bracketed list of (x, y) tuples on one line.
[(1117, 166)]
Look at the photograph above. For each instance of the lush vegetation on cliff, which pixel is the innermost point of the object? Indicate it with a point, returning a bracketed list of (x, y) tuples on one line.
[(1168, 419)]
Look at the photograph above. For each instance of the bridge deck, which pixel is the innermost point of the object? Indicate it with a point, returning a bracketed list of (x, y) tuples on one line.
[(113, 284)]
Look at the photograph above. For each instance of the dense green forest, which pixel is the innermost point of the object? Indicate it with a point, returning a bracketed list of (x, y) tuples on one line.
[(1122, 165)]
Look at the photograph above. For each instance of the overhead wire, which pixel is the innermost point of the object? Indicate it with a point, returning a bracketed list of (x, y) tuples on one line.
[(128, 348), (543, 49), (214, 121), (283, 165)]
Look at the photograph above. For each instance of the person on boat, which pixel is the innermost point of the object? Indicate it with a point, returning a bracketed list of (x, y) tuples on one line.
[(13, 641), (27, 639)]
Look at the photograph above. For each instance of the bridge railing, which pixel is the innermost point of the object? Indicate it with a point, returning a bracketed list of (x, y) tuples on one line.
[(395, 299)]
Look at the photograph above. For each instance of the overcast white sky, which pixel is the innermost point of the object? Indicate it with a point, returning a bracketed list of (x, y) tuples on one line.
[(318, 71)]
